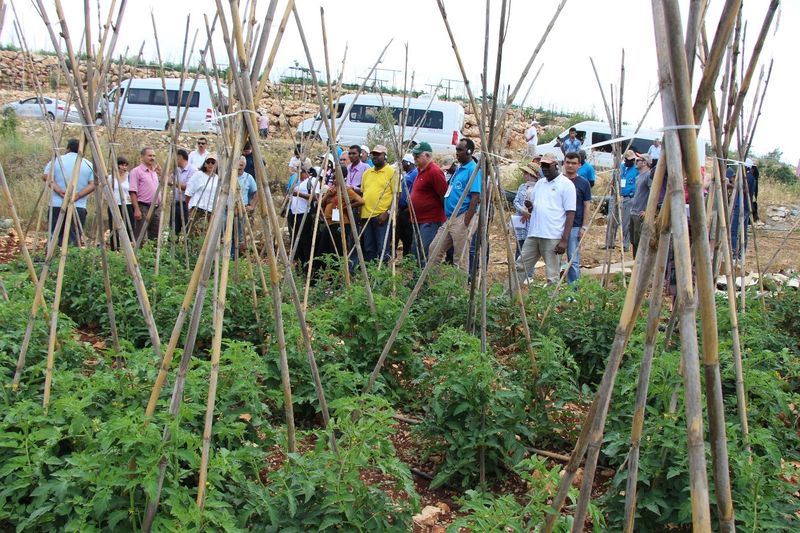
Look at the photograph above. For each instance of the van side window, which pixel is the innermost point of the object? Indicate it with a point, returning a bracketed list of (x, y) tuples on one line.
[(156, 97), (355, 113), (641, 146), (370, 114), (139, 96), (602, 137), (425, 119)]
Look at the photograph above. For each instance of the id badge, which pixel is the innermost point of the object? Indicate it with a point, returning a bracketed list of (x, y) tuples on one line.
[(449, 190), (335, 215), (622, 182)]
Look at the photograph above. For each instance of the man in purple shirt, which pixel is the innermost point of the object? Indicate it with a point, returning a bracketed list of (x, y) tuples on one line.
[(144, 181), (356, 168)]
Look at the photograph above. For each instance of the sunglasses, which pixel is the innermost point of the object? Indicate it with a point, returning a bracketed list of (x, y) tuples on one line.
[(640, 160), (201, 143), (545, 165)]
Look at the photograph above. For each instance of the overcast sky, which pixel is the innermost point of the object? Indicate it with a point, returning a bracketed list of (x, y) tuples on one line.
[(586, 28)]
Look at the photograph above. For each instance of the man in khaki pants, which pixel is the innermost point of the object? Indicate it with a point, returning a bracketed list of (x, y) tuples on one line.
[(460, 232), (554, 202)]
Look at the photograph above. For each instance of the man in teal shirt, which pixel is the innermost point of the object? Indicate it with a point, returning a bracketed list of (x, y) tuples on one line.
[(459, 234)]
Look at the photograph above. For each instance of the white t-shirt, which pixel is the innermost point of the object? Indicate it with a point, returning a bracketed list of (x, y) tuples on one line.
[(654, 151), (551, 201), (532, 136), (299, 205), (196, 159), (202, 190), (123, 184)]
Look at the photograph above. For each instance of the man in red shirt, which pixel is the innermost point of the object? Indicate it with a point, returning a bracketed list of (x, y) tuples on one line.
[(427, 200)]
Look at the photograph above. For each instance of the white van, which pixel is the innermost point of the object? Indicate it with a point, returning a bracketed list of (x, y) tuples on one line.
[(428, 119), (595, 137), (142, 105)]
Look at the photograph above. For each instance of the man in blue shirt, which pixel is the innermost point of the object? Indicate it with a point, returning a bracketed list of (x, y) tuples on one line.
[(627, 188), (405, 229), (586, 170), (571, 143), (464, 221), (61, 170), (738, 247)]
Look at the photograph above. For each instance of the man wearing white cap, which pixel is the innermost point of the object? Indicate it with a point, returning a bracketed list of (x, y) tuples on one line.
[(532, 138), (365, 155), (554, 202), (405, 230)]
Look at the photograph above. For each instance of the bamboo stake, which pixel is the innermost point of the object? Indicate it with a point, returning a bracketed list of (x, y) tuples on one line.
[(216, 343), (66, 214), (654, 314), (702, 255), (330, 125), (516, 292), (100, 167), (246, 97)]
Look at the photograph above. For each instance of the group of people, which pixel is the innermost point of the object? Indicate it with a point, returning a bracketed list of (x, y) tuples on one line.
[(423, 194), (137, 191), (552, 205)]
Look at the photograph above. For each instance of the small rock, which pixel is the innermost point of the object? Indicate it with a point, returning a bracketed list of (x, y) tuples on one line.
[(444, 507), (427, 517)]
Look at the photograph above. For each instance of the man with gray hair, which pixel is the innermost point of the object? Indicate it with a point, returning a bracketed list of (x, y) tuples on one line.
[(247, 192)]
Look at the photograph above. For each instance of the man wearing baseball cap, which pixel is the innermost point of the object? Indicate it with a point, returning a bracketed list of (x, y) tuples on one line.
[(553, 200), (405, 230), (627, 188), (426, 200), (379, 187)]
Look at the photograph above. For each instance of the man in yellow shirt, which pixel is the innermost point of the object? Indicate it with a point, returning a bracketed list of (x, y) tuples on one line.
[(379, 188)]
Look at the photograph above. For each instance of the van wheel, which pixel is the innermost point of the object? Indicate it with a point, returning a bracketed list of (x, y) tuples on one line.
[(50, 116)]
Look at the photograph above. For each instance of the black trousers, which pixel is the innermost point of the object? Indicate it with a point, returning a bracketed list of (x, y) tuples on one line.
[(128, 225), (74, 230)]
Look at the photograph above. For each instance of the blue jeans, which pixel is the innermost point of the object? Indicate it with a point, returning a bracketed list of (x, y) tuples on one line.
[(423, 241), (735, 231), (574, 255), (374, 237)]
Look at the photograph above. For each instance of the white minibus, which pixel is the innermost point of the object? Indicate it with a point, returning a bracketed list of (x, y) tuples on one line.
[(428, 119), (142, 104), (596, 139)]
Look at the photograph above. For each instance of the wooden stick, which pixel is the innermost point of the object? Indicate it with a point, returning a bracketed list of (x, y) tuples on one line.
[(653, 316)]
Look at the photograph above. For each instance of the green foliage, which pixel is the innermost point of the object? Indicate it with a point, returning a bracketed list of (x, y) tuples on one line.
[(771, 166), (473, 406), (9, 124), (322, 490), (487, 512)]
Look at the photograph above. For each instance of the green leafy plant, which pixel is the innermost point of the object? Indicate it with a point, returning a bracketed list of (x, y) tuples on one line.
[(474, 407)]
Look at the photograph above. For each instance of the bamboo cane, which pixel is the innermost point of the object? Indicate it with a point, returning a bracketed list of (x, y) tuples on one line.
[(331, 127), (66, 213), (246, 97), (654, 314), (642, 272), (216, 343), (516, 292), (88, 116)]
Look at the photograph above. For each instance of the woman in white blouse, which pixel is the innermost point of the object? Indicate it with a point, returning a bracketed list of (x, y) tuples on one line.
[(304, 190), (120, 189), (201, 191)]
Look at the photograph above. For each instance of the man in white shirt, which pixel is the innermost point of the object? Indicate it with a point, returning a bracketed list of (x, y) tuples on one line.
[(532, 138), (554, 203), (198, 157), (654, 152)]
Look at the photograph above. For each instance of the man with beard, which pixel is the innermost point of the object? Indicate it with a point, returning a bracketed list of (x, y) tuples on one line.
[(553, 202)]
